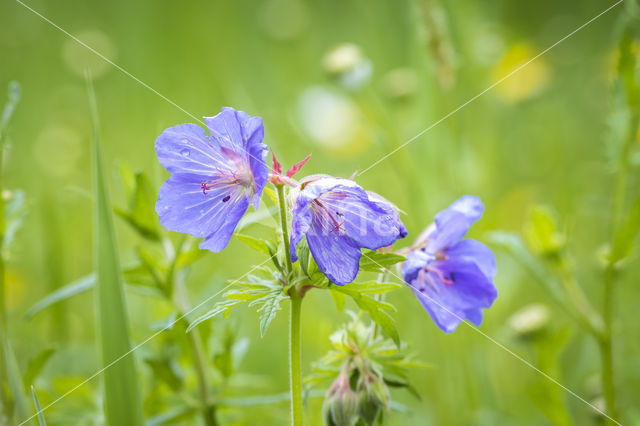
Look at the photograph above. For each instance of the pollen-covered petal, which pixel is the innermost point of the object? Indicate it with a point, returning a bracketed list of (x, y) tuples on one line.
[(453, 223), (183, 206), (337, 256), (452, 293), (185, 149)]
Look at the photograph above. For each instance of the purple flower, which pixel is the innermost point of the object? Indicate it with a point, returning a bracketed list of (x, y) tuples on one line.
[(213, 178), (339, 218), (452, 277)]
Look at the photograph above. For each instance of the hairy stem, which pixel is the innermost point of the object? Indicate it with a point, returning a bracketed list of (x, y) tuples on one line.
[(295, 344), (294, 359)]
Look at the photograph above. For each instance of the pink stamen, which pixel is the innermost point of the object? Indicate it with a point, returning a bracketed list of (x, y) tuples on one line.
[(439, 275)]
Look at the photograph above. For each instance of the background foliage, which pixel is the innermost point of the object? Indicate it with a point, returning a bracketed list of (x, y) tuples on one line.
[(546, 136)]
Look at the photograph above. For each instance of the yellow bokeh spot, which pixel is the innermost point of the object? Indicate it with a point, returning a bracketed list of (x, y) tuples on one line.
[(525, 82), (15, 289)]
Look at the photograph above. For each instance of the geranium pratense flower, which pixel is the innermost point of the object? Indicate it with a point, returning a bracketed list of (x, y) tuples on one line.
[(213, 178), (339, 218), (452, 277)]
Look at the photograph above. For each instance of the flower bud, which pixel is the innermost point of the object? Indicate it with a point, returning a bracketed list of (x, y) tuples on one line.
[(372, 402), (340, 406)]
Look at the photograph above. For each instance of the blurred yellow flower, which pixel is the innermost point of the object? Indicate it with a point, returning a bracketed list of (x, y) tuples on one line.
[(527, 81)]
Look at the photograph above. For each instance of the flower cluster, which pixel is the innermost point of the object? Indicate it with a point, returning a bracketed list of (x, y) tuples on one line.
[(215, 177)]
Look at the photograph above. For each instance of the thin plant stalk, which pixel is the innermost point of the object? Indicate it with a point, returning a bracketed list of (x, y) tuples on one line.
[(195, 339), (7, 113), (199, 359), (295, 347), (295, 337), (610, 275)]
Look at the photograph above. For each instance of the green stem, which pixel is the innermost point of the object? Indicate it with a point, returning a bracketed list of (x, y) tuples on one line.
[(610, 275), (585, 311), (4, 397), (285, 228), (295, 344), (294, 359), (606, 348), (195, 339), (208, 408)]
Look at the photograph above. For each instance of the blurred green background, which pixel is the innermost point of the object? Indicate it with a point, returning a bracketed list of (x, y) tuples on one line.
[(538, 138)]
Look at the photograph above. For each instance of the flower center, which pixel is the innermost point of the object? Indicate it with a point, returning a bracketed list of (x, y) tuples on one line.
[(230, 180), (332, 221)]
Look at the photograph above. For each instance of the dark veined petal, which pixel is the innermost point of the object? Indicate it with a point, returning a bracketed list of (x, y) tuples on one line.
[(453, 223), (338, 257), (339, 218), (183, 207), (453, 292), (300, 224), (185, 149), (242, 133), (220, 237)]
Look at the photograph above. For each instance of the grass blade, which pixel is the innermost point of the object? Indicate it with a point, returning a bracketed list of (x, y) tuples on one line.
[(41, 420), (122, 397), (14, 382)]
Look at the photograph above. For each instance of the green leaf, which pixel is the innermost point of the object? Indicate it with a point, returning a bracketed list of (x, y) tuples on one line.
[(167, 371), (255, 243), (9, 109), (128, 180), (15, 212), (141, 214), (627, 66), (374, 287), (271, 194), (121, 391), (41, 420), (78, 286), (339, 299), (626, 235), (375, 308), (14, 382), (265, 293), (269, 306), (257, 217), (223, 307), (35, 366), (541, 232), (189, 256), (173, 416), (232, 351), (376, 261), (516, 247)]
